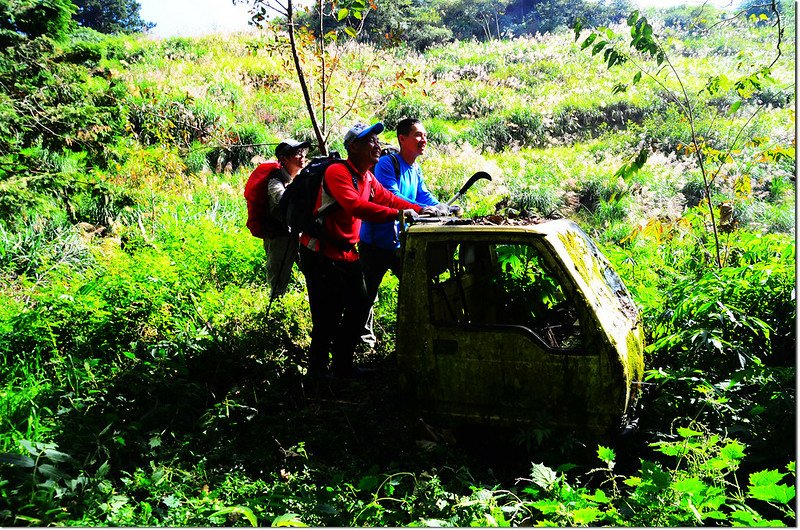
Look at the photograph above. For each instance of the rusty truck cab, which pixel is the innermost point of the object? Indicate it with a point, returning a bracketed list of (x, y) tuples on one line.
[(509, 324)]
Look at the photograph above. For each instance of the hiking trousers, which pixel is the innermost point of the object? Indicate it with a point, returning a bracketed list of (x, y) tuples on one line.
[(281, 255), (375, 261), (339, 306)]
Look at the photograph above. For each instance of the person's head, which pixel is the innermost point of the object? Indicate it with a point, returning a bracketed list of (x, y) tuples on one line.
[(292, 155), (412, 137), (362, 144)]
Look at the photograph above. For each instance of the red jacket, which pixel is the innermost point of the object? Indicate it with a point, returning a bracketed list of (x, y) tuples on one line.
[(371, 202)]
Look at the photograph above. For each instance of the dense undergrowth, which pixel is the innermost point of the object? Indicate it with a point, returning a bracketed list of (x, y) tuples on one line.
[(144, 382)]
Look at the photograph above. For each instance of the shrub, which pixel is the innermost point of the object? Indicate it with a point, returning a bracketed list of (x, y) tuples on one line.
[(406, 106), (36, 249), (178, 122), (421, 38), (439, 131), (244, 142), (182, 49), (476, 102), (588, 122), (197, 158), (600, 192), (150, 168), (542, 199), (102, 205), (519, 127), (225, 92)]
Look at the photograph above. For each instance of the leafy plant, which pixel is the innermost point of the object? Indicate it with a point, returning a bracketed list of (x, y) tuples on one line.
[(645, 45)]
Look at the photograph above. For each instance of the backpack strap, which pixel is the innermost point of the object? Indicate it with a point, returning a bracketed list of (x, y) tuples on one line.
[(324, 237), (396, 164), (353, 175)]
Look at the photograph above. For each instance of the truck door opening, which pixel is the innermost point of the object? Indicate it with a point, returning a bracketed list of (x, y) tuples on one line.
[(501, 285)]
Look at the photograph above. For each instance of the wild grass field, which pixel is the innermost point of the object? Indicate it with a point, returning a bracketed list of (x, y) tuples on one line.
[(144, 382)]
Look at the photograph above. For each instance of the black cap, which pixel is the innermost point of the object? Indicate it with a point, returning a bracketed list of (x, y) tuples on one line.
[(289, 145)]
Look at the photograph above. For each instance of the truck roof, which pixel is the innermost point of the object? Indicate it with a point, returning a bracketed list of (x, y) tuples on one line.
[(493, 223)]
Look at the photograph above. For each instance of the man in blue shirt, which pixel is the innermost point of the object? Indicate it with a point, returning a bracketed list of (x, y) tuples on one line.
[(400, 174)]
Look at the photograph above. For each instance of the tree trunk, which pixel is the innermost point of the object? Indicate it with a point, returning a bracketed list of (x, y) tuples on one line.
[(323, 148)]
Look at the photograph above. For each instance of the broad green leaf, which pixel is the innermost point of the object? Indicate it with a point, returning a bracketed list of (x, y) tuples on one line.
[(543, 476), (16, 460), (734, 107), (57, 456), (653, 477), (633, 17), (746, 518), (685, 432), (752, 520), (588, 41), (434, 523), (605, 454), (342, 14), (599, 497), (597, 48), (577, 28), (690, 486), (242, 510), (715, 514), (767, 477), (28, 446), (103, 470), (171, 501), (779, 493), (350, 31), (637, 77), (633, 481), (368, 483), (288, 520), (586, 516), (547, 506), (32, 520), (50, 471), (733, 450)]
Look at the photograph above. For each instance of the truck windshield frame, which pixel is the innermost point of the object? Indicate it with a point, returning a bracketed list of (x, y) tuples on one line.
[(508, 285)]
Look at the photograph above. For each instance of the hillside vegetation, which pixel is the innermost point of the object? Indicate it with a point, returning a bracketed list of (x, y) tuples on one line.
[(144, 383)]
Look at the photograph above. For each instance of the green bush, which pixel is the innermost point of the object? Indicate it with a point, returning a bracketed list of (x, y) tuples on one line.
[(197, 158), (244, 142), (588, 122), (440, 132), (542, 199), (517, 128), (411, 106), (178, 122), (476, 102)]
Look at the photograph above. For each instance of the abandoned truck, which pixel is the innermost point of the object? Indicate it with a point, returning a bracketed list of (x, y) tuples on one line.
[(515, 323)]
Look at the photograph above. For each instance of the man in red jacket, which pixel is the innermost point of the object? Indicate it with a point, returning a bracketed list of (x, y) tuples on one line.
[(336, 291)]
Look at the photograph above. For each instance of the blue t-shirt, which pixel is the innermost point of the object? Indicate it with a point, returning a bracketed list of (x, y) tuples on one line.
[(408, 186)]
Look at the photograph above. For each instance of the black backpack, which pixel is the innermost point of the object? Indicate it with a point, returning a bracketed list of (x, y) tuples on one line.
[(298, 201)]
